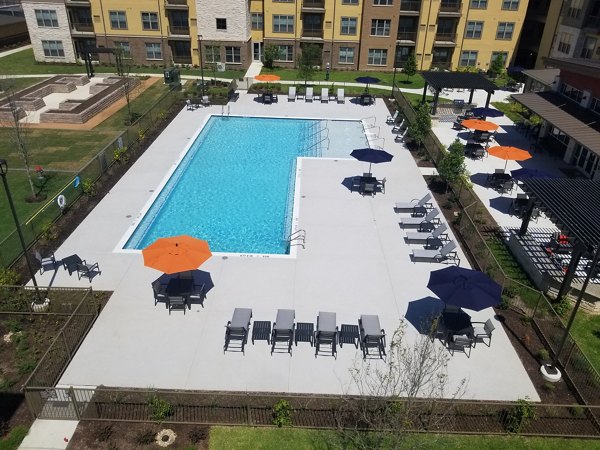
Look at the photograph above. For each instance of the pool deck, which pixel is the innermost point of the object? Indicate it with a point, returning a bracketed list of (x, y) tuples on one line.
[(355, 262)]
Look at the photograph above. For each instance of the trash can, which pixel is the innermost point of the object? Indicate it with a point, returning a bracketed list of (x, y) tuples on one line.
[(172, 75)]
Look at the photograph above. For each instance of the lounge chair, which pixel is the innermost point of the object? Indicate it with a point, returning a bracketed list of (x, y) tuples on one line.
[(326, 333), (340, 96), (46, 263), (324, 95), (283, 330), (446, 253), (371, 335), (431, 217), (292, 94), (392, 119), (401, 136), (482, 331), (89, 271), (205, 101), (416, 236), (309, 94), (398, 128), (410, 206), (237, 328), (460, 342)]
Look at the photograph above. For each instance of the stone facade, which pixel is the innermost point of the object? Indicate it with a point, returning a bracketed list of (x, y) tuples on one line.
[(237, 14), (38, 34)]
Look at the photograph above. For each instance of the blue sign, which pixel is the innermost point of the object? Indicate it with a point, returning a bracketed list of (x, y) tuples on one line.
[(76, 181)]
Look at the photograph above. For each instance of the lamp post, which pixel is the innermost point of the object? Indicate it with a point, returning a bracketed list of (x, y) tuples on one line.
[(3, 172), (201, 66), (394, 78)]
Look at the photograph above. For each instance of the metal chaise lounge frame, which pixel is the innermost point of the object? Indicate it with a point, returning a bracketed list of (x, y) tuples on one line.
[(430, 218), (326, 332), (283, 329), (409, 206), (237, 328), (371, 335), (418, 236), (292, 94), (308, 97), (340, 96), (446, 253)]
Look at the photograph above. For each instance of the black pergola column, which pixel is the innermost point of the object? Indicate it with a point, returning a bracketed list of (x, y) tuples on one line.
[(436, 98), (487, 100), (566, 284), (471, 96), (526, 218), (424, 93)]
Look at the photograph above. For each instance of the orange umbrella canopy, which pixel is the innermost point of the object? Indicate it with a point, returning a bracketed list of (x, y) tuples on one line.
[(267, 77), (481, 125), (176, 254), (509, 153)]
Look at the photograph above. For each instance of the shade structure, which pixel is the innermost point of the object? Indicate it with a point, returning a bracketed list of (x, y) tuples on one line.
[(267, 77), (523, 173), (367, 81), (465, 288), (479, 125), (509, 153), (371, 155), (423, 312), (487, 112), (176, 254)]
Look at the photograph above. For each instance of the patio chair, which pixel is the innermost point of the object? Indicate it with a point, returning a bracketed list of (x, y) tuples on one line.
[(392, 119), (483, 330), (267, 98), (46, 263), (340, 96), (371, 335), (417, 236), (460, 342), (431, 217), (160, 294), (397, 128), (446, 253), (506, 187), (309, 94), (197, 295), (292, 94), (381, 185), (367, 189), (176, 302), (89, 271), (326, 332), (237, 328), (324, 95), (283, 330), (409, 206), (189, 105), (400, 137), (205, 101)]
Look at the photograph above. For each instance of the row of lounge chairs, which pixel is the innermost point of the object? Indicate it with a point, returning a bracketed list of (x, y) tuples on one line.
[(284, 332), (310, 95), (196, 102), (399, 126), (430, 230), (71, 264)]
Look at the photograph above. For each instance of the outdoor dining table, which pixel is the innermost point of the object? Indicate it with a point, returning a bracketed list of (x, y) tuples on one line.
[(180, 286), (497, 179), (457, 322), (366, 99), (367, 185)]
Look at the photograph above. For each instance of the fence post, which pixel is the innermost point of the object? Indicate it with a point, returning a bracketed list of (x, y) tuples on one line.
[(74, 402), (66, 344), (536, 306)]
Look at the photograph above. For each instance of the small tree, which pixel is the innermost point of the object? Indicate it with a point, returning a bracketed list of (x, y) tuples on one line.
[(497, 66), (270, 55), (311, 55), (410, 66), (421, 127), (452, 167)]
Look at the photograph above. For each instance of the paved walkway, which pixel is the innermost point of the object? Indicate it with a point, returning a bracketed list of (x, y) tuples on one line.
[(49, 435)]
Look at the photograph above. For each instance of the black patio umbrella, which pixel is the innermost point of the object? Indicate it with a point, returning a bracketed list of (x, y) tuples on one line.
[(487, 112), (367, 81), (371, 155), (421, 313), (465, 288), (523, 173)]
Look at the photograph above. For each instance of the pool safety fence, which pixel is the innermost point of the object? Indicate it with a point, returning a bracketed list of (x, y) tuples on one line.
[(472, 224), (126, 146), (310, 411)]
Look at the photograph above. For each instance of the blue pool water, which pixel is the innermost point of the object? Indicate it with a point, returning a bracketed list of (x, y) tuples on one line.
[(234, 188)]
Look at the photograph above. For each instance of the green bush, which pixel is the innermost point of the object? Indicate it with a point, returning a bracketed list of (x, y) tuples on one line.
[(543, 355), (562, 306), (50, 231), (282, 413), (89, 187), (159, 409), (521, 414), (8, 277)]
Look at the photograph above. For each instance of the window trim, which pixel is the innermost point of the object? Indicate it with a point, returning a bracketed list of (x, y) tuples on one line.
[(286, 53), (504, 38), (149, 13), (510, 7), (239, 54), (375, 27), (346, 59), (42, 19), (59, 48), (382, 55), (383, 2), (478, 4), (290, 22), (215, 54), (155, 45), (475, 22), (262, 21), (471, 53), (111, 20), (355, 19), (224, 22)]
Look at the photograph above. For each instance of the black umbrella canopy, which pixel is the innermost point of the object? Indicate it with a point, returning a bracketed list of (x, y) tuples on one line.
[(371, 155), (423, 312), (367, 81), (487, 112)]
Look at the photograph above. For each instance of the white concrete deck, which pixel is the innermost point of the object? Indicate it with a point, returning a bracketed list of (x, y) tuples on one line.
[(355, 262)]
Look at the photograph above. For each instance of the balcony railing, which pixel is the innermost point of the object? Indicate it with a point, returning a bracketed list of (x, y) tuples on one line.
[(183, 59), (593, 22), (410, 5), (450, 6), (445, 37), (77, 2), (82, 27), (406, 35), (319, 4), (441, 65), (176, 2), (312, 33), (179, 31)]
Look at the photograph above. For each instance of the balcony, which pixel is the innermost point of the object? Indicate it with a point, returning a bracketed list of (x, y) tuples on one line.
[(445, 38), (82, 27), (592, 22), (313, 5), (312, 33), (450, 8), (410, 7), (179, 31), (182, 59), (441, 65), (77, 3), (406, 35), (176, 4)]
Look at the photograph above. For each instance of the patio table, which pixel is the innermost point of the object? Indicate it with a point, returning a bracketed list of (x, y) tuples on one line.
[(304, 332), (180, 286), (349, 334), (70, 263), (261, 331)]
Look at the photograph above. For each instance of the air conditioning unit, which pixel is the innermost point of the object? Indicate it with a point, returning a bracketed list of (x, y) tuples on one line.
[(220, 67)]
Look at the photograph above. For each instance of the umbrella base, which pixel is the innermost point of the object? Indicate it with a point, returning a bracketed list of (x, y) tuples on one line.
[(550, 373)]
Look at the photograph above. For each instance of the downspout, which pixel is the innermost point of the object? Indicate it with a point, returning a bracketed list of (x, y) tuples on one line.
[(462, 41), (426, 33), (359, 40), (160, 28)]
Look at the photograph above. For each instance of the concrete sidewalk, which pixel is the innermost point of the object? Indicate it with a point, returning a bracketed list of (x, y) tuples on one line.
[(49, 435)]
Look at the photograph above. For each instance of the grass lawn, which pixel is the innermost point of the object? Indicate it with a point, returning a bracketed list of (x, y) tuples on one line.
[(14, 438), (508, 110), (233, 438), (586, 331), (16, 84)]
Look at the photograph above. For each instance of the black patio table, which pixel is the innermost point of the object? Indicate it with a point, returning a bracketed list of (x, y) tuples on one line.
[(180, 286), (366, 99), (498, 179), (70, 263), (457, 322)]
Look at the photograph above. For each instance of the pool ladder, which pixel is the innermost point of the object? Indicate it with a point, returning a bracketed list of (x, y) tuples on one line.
[(298, 237), (223, 110)]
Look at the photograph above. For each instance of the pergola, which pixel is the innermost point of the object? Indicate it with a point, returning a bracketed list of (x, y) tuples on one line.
[(572, 205), (456, 80)]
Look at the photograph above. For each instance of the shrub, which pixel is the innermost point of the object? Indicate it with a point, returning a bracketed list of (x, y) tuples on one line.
[(520, 416), (198, 435), (89, 187), (103, 433), (50, 231), (543, 355), (562, 306), (159, 409), (577, 411), (120, 155), (8, 277), (548, 387), (282, 413)]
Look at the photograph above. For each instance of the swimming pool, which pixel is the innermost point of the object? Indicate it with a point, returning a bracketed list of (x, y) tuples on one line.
[(235, 185)]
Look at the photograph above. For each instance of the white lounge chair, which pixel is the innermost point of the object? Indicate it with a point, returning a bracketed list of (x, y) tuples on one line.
[(400, 137), (309, 94), (410, 206), (324, 95), (419, 236), (292, 94), (444, 254), (205, 101), (430, 218), (392, 119), (340, 96)]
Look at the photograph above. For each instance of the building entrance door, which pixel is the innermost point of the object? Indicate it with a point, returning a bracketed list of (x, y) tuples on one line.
[(257, 54)]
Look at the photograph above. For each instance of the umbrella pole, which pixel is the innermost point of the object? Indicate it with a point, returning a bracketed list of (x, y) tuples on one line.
[(505, 164), (369, 167)]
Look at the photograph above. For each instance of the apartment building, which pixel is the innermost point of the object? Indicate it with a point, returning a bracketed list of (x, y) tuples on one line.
[(352, 34), (578, 31)]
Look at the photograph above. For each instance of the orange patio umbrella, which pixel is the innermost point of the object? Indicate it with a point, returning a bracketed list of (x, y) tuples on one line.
[(509, 153), (480, 125), (176, 254), (267, 77)]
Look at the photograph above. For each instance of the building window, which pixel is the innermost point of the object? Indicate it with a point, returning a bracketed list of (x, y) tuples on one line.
[(283, 24), (383, 2), (513, 5), (588, 47), (233, 55), (153, 51), (574, 10), (468, 58), (150, 21), (346, 55), (349, 2), (479, 4), (564, 43), (505, 30), (257, 21), (286, 53), (595, 105), (125, 48), (495, 55), (569, 91), (221, 24), (380, 27), (46, 18), (348, 26), (212, 53), (474, 30), (377, 57), (118, 20), (283, 1), (559, 135), (53, 48)]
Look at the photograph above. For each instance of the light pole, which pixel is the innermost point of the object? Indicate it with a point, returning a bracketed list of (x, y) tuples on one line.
[(3, 172), (394, 79), (201, 66)]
